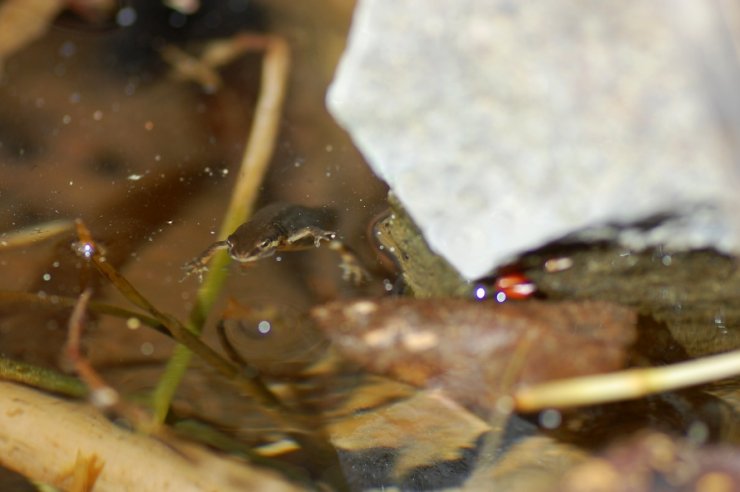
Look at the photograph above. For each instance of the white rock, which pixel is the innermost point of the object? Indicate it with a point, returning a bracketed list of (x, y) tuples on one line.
[(504, 125)]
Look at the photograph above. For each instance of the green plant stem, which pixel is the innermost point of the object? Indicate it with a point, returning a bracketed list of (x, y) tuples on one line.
[(257, 155)]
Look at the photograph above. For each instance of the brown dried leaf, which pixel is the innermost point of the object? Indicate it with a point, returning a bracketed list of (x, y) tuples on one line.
[(424, 429), (476, 351), (369, 393), (655, 462)]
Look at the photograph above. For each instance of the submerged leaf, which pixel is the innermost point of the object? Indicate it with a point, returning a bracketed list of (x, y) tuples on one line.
[(478, 352)]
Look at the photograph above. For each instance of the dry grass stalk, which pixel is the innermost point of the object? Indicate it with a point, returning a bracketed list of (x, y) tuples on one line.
[(624, 385), (32, 234)]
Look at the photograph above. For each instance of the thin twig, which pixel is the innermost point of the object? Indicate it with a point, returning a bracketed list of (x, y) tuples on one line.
[(256, 159), (101, 395), (624, 385)]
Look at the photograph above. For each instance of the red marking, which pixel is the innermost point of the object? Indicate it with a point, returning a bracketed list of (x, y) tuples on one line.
[(515, 286)]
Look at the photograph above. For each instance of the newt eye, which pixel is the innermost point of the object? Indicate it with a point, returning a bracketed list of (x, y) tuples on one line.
[(264, 243)]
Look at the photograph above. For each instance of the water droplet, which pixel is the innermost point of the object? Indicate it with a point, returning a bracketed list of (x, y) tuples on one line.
[(719, 321)]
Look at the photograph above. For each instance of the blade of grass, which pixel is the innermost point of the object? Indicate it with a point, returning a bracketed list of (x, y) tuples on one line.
[(38, 377), (62, 302), (35, 233), (256, 159)]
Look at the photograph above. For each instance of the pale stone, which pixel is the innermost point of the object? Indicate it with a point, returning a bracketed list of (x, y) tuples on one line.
[(504, 125)]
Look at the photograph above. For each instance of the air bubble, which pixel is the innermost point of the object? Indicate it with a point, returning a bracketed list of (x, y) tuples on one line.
[(264, 327), (126, 17), (85, 250), (550, 419)]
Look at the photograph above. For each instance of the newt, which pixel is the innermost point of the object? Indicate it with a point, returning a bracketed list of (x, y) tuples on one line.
[(282, 227)]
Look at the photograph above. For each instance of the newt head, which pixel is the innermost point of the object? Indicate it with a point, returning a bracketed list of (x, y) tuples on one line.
[(245, 246)]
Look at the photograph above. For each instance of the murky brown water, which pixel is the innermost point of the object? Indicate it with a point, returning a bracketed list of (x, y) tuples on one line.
[(93, 125)]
